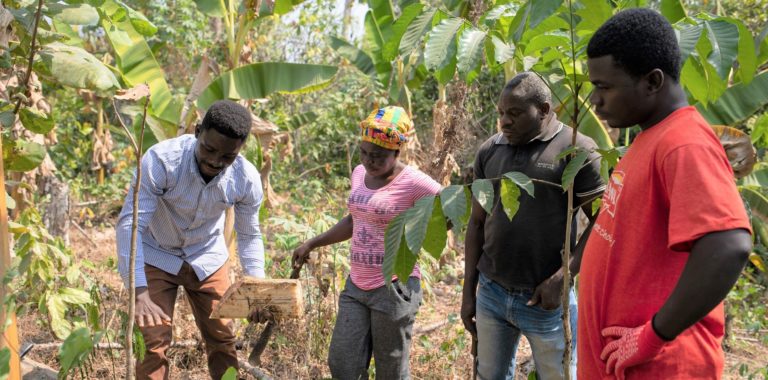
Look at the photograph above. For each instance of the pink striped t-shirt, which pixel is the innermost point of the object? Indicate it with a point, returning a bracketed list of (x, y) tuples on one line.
[(371, 211)]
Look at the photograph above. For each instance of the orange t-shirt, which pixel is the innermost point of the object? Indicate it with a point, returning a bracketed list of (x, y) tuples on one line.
[(674, 186)]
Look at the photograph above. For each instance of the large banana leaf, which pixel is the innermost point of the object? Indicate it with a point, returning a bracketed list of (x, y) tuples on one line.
[(738, 103), (260, 80), (74, 67), (384, 15), (358, 58), (138, 65), (73, 14)]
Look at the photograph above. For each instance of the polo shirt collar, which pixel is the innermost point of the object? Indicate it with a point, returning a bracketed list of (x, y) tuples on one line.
[(552, 127)]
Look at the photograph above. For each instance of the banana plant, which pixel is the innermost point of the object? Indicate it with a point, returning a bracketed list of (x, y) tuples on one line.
[(392, 75), (127, 29)]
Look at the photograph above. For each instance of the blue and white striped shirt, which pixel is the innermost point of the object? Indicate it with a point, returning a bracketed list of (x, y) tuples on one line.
[(181, 218)]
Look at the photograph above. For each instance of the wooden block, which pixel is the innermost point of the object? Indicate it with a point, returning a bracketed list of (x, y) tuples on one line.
[(283, 297)]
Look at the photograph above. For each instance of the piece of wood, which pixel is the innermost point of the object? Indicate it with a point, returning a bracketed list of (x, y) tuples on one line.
[(283, 298)]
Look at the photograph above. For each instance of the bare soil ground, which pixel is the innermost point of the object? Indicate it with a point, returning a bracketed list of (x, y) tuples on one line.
[(298, 349)]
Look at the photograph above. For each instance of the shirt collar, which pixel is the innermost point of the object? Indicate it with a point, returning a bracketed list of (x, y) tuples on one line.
[(552, 127)]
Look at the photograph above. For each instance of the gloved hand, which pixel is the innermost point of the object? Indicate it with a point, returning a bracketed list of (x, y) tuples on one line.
[(633, 346)]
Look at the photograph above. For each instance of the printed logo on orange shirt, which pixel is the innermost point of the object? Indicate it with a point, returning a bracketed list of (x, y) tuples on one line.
[(613, 192)]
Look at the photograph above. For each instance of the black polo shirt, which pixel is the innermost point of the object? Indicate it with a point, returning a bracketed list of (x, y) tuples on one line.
[(525, 251)]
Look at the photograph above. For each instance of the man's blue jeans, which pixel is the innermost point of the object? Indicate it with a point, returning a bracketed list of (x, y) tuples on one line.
[(502, 315)]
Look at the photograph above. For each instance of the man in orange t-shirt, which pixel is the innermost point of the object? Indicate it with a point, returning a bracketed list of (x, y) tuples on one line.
[(672, 235)]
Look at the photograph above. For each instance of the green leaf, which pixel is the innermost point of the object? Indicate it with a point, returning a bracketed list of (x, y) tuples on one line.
[(73, 14), (382, 9), (557, 39), (5, 362), (510, 197), (73, 37), (724, 38), (757, 201), (673, 10), (609, 159), (281, 7), (521, 180), (231, 374), (357, 57), (441, 45), (404, 263), (214, 8), (437, 231), (693, 77), (687, 37), (74, 296), (399, 28), (416, 220), (455, 205), (747, 56), (35, 120), (372, 39), (502, 52), (75, 350), (139, 22), (259, 80), (470, 50), (393, 240), (482, 190), (22, 155), (74, 67), (738, 102), (760, 132), (138, 65), (499, 11), (593, 14), (7, 119), (60, 326), (758, 178), (542, 9), (445, 74), (416, 30), (573, 167)]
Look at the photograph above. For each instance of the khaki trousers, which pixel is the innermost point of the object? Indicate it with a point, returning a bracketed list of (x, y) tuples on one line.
[(202, 295)]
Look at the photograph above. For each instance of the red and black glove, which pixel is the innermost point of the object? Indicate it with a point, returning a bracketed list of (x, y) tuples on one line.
[(632, 346)]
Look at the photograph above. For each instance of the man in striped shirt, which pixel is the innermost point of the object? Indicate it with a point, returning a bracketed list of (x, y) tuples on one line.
[(186, 185)]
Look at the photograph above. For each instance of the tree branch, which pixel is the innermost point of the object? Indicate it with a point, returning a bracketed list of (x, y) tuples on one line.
[(27, 91)]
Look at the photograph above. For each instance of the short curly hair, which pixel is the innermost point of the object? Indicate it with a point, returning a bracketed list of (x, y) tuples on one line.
[(639, 40), (534, 88), (228, 118)]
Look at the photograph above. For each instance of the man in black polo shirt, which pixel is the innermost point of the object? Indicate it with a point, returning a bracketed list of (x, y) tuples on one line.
[(517, 263)]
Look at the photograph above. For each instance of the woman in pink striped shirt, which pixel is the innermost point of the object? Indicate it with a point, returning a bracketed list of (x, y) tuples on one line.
[(375, 319)]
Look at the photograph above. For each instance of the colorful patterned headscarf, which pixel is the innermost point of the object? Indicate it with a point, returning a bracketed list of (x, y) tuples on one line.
[(388, 127)]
